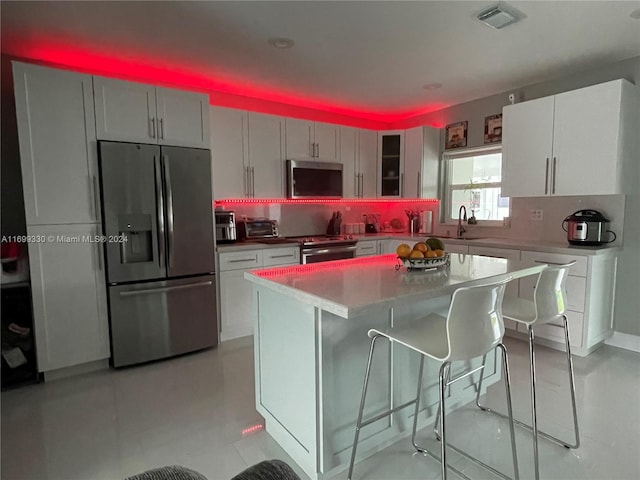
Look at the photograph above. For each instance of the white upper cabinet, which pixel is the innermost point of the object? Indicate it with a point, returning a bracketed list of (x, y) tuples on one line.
[(572, 143), (56, 134), (358, 150), (349, 158), (125, 111), (326, 137), (136, 112), (183, 118), (308, 139), (367, 158), (247, 154), (413, 159), (228, 150), (266, 163), (527, 142), (588, 147)]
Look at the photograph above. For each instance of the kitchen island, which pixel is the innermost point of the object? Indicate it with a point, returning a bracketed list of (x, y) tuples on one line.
[(311, 345)]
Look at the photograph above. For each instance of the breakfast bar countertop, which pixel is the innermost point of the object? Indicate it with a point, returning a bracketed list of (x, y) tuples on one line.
[(349, 288)]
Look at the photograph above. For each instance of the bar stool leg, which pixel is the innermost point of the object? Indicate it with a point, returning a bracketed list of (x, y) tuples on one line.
[(361, 409), (479, 388), (443, 440), (572, 386), (415, 416), (512, 431), (534, 419), (436, 430)]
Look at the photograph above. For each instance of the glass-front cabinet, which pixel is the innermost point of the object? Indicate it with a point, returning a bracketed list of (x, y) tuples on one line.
[(390, 163)]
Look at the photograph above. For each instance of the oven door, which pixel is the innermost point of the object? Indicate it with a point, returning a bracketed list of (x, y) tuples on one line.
[(326, 254)]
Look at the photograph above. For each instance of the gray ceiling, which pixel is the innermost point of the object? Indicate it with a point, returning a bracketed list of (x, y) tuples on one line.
[(363, 58)]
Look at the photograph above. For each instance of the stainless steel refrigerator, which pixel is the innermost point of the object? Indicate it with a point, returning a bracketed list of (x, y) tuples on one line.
[(161, 282)]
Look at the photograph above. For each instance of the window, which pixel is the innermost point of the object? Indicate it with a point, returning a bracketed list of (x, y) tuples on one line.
[(473, 178)]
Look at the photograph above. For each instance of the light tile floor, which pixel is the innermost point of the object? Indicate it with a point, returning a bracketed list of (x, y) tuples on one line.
[(193, 410)]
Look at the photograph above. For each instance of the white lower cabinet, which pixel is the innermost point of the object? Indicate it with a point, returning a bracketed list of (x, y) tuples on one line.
[(236, 307), (367, 248), (69, 295), (590, 289)]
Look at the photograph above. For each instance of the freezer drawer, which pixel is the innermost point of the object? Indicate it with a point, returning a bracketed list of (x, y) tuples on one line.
[(155, 320)]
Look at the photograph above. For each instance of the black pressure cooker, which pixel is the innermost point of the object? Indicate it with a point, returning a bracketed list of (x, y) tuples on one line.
[(587, 227)]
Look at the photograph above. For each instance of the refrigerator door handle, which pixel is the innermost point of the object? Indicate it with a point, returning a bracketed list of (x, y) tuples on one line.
[(160, 197), (131, 293), (167, 183)]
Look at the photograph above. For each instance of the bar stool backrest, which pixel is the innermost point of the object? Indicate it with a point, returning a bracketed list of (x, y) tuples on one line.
[(550, 296), (474, 324)]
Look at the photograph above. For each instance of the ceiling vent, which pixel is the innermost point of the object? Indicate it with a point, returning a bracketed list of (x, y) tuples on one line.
[(498, 17)]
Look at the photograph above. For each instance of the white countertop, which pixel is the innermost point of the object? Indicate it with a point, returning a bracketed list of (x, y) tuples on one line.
[(348, 288), (509, 243)]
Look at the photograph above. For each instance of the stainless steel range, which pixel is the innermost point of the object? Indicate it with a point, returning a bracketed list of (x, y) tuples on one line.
[(325, 248), (314, 249)]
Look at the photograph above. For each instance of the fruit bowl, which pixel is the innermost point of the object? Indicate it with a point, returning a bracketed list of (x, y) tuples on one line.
[(423, 263)]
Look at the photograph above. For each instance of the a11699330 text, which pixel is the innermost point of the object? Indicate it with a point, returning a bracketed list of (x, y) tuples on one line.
[(65, 238)]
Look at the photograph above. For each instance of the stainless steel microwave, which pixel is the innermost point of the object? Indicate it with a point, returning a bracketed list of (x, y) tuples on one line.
[(306, 179)]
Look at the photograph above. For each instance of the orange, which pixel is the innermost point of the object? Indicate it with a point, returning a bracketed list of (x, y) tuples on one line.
[(421, 246), (431, 254), (416, 254), (439, 253), (403, 250)]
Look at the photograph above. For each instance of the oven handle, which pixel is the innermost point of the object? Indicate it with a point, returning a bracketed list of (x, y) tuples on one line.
[(310, 252)]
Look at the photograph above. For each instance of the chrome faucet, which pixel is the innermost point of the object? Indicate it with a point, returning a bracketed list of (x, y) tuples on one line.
[(461, 229)]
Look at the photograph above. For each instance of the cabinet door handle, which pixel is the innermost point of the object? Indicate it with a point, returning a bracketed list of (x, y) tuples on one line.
[(418, 186), (161, 129), (240, 260), (246, 181), (317, 150), (283, 256), (253, 181), (131, 293), (153, 127), (169, 197), (553, 183), (361, 191), (546, 177), (402, 184), (98, 256), (160, 195), (96, 198)]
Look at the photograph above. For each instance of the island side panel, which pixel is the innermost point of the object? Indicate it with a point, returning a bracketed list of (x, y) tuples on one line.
[(344, 351), (286, 374)]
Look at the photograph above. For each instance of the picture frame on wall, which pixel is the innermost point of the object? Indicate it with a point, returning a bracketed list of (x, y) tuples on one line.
[(493, 128), (456, 135)]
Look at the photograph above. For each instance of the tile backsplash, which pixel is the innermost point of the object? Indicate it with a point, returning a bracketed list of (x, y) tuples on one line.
[(554, 210), (312, 219)]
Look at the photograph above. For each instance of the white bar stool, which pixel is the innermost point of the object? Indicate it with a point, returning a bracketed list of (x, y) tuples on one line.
[(548, 307), (472, 328)]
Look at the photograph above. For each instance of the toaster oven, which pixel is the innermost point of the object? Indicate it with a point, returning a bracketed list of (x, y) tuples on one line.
[(256, 228)]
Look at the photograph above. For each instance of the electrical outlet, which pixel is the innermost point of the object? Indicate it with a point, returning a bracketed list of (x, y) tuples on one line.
[(537, 215)]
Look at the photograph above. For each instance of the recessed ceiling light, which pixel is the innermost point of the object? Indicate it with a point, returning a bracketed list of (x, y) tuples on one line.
[(432, 86), (281, 42), (499, 16), (635, 14)]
